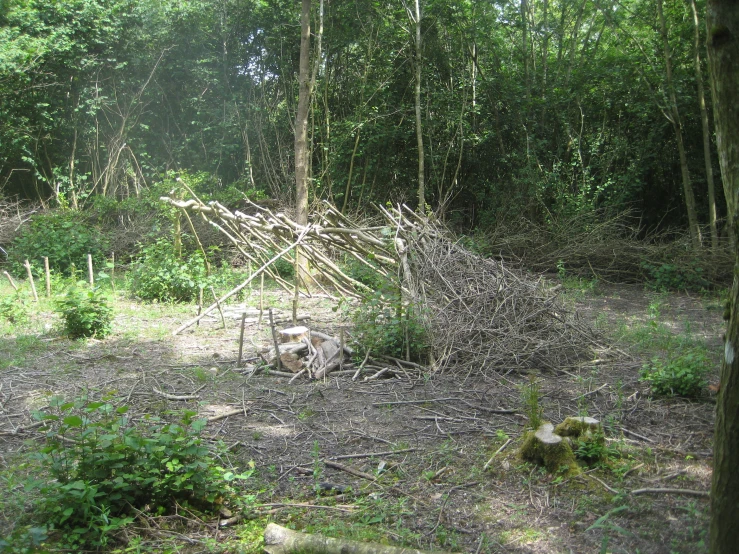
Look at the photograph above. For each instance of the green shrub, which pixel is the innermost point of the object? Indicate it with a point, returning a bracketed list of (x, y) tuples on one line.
[(385, 325), (159, 274), (366, 275), (86, 313), (103, 469), (591, 447), (675, 277), (13, 308), (63, 237), (680, 375)]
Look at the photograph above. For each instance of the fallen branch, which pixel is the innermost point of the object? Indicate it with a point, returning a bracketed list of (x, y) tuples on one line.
[(169, 396), (342, 467), (279, 540), (490, 461), (704, 494)]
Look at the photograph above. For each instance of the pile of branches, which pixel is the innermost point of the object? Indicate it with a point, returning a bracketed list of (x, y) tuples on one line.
[(13, 214), (479, 312), (483, 313), (614, 248)]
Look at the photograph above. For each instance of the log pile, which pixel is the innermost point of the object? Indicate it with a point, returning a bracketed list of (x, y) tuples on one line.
[(480, 313)]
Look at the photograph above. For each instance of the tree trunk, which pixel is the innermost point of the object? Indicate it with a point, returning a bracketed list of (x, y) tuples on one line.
[(301, 129), (706, 130), (695, 233), (419, 128), (722, 22)]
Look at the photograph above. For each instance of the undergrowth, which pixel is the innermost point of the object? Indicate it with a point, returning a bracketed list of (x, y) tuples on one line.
[(98, 468)]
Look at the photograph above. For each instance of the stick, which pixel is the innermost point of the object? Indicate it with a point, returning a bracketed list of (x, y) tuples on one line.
[(47, 273), (241, 339), (296, 294), (12, 283), (218, 304), (89, 270), (261, 299), (224, 415), (112, 271), (200, 303), (243, 285), (30, 279), (175, 396), (351, 470), (490, 461), (278, 361), (705, 494), (361, 366), (374, 454)]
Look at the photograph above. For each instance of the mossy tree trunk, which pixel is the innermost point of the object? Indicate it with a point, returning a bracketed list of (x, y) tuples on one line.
[(722, 20)]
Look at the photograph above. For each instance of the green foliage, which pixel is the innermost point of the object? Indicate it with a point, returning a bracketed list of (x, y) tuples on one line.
[(103, 468), (675, 277), (160, 274), (366, 275), (681, 374), (591, 447), (14, 309), (530, 395), (63, 237), (385, 325), (85, 312)]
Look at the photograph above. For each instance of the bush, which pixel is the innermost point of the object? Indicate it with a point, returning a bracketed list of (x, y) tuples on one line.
[(63, 237), (104, 469), (385, 325), (13, 308), (85, 313), (664, 277), (159, 274), (681, 375)]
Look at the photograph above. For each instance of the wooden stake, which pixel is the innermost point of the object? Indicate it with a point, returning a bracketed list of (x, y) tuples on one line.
[(274, 339), (30, 280), (220, 310), (47, 272), (296, 276), (89, 270), (261, 299), (12, 283), (112, 270), (241, 339), (200, 304)]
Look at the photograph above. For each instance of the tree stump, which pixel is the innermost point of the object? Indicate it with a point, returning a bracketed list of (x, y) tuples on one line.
[(546, 448), (577, 426)]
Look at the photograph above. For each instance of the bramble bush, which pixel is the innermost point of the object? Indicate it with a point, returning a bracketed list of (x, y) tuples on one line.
[(85, 313), (63, 237), (101, 469), (159, 274), (683, 374)]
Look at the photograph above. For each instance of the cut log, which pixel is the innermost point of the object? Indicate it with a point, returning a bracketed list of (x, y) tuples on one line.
[(546, 448), (279, 540), (291, 361), (294, 334)]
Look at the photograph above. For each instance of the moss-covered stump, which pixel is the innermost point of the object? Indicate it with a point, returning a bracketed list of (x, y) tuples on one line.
[(546, 448), (577, 426)]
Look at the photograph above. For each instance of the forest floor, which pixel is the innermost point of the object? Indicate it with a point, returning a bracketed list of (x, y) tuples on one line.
[(424, 438)]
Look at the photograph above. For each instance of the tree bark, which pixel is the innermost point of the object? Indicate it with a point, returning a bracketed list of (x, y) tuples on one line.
[(706, 129), (419, 127), (695, 233), (722, 22)]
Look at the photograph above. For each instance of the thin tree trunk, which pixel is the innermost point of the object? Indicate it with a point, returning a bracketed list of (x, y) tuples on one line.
[(722, 22), (706, 130), (419, 127), (301, 131), (695, 233)]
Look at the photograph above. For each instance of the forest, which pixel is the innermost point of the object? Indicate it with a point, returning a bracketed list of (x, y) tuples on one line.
[(446, 275)]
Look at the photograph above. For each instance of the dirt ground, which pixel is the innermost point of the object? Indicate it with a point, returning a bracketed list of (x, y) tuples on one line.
[(424, 438)]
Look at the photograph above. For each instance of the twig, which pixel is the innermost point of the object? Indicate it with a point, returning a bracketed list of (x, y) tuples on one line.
[(614, 491), (168, 396), (373, 454), (224, 415), (218, 305), (637, 435), (241, 339), (47, 274), (361, 366), (490, 461), (30, 280), (348, 469)]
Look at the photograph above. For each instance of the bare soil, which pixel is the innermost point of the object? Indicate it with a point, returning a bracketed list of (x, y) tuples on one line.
[(424, 437)]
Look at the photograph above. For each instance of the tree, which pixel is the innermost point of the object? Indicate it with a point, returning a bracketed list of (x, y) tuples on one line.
[(722, 22), (301, 123)]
